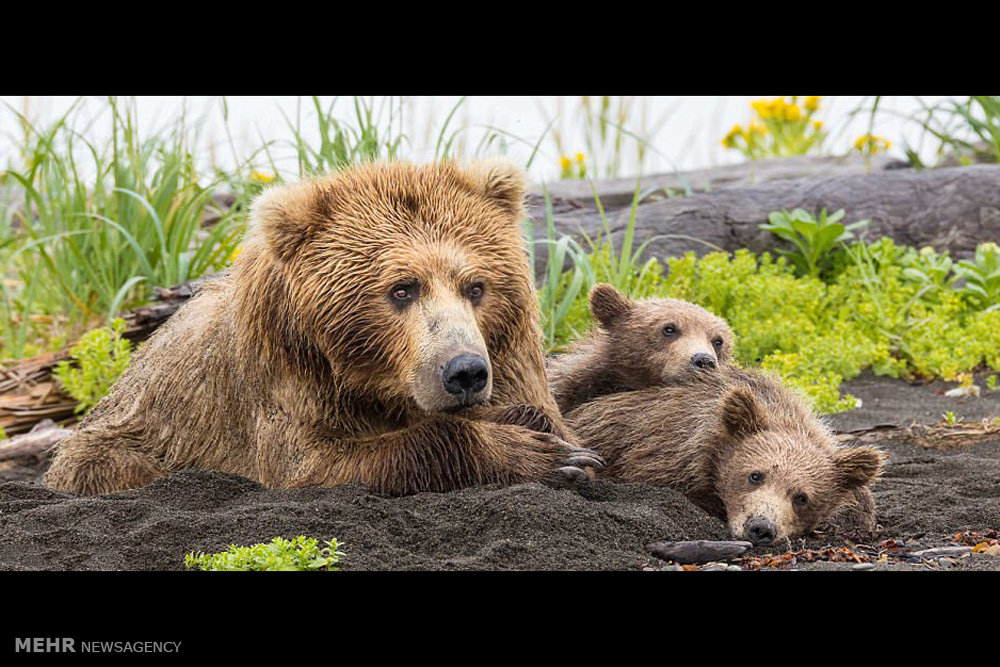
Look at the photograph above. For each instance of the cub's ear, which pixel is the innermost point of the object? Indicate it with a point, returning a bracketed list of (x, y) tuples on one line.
[(500, 181), (608, 304), (742, 415), (857, 466), (283, 218)]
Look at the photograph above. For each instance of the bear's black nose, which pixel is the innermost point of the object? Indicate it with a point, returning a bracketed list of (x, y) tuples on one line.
[(703, 360), (761, 531), (465, 375)]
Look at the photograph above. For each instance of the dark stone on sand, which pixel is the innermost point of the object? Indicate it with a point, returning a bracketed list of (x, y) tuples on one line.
[(694, 552)]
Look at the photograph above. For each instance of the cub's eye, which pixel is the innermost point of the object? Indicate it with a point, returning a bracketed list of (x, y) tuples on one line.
[(717, 343), (670, 330), (756, 477), (800, 499), (405, 292), (476, 292)]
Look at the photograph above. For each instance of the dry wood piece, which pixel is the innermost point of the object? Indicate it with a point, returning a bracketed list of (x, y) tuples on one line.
[(693, 552), (618, 192), (940, 552), (44, 436), (951, 209), (28, 393)]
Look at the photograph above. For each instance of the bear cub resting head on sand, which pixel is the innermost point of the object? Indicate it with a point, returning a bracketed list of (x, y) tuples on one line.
[(638, 344), (742, 447)]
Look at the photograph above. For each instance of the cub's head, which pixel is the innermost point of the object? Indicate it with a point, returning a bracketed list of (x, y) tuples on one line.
[(410, 282), (778, 472), (660, 341)]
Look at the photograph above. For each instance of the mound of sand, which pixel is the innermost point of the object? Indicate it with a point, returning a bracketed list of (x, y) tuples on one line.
[(924, 496)]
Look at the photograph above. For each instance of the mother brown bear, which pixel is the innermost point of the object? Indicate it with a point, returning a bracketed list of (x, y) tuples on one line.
[(380, 326)]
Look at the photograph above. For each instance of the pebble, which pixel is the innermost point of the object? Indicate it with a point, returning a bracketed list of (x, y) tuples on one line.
[(734, 568), (863, 566), (947, 562)]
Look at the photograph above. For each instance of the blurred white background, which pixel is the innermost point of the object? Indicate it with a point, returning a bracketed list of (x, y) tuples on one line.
[(681, 133)]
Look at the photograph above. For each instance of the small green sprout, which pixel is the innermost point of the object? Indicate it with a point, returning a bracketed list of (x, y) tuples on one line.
[(101, 356), (950, 418), (299, 554)]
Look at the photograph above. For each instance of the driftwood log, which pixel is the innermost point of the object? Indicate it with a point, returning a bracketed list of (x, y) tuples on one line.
[(29, 393), (951, 209), (45, 435)]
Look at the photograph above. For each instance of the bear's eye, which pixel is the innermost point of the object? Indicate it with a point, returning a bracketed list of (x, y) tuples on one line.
[(717, 343), (476, 293), (405, 292), (756, 477), (670, 330), (800, 500)]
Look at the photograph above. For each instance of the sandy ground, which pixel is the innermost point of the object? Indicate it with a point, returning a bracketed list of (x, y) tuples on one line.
[(925, 497)]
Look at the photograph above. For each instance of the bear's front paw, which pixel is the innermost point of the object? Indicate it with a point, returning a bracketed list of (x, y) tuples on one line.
[(569, 463)]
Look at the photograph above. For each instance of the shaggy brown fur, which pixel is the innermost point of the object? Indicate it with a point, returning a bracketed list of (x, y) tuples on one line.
[(638, 344), (741, 446), (319, 358)]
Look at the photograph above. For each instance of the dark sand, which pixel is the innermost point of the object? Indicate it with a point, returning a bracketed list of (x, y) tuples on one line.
[(925, 496)]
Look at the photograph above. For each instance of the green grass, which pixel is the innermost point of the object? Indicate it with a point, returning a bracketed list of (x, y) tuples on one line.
[(300, 554), (102, 225)]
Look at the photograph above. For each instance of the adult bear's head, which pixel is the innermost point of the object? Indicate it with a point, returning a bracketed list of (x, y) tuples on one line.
[(408, 281)]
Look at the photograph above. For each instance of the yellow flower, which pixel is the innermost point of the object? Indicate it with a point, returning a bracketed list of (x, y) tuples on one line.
[(236, 253), (261, 177), (817, 125), (565, 163), (579, 158), (812, 102), (792, 112), (871, 143)]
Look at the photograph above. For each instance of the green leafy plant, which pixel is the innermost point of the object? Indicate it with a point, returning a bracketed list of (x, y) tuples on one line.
[(813, 238), (991, 383), (298, 554), (950, 418), (982, 276), (928, 268), (99, 359)]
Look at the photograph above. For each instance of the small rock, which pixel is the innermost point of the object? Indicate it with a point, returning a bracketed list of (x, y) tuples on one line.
[(734, 568), (693, 552), (863, 566), (947, 562)]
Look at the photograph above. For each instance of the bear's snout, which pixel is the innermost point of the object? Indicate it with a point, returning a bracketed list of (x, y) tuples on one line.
[(703, 360), (760, 530), (465, 376)]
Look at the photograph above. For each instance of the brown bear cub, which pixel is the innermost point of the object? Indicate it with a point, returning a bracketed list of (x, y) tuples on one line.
[(380, 326), (638, 344), (739, 445)]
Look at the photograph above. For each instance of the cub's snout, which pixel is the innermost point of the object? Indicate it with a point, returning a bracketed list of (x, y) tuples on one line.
[(760, 530)]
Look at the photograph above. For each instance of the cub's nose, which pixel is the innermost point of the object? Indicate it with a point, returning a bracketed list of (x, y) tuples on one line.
[(465, 375), (761, 531), (703, 360)]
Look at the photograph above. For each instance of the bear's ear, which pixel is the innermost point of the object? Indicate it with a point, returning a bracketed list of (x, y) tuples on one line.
[(857, 466), (282, 216), (608, 304), (500, 181), (742, 415)]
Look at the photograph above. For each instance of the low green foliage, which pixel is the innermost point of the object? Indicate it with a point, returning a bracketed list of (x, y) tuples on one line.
[(100, 357), (872, 315), (298, 554), (814, 238), (982, 276)]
